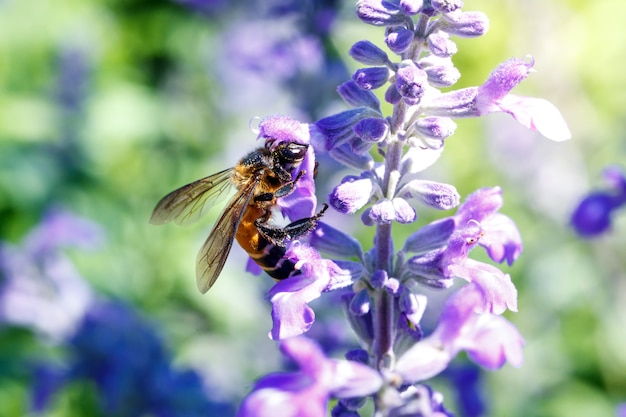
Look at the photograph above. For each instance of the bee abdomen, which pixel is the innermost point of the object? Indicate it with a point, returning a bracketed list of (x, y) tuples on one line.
[(272, 260)]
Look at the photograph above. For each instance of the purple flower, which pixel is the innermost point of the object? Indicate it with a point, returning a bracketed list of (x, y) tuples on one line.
[(291, 314), (121, 355), (399, 39), (305, 392), (493, 96), (411, 82), (366, 52), (593, 214), (464, 24), (489, 339), (354, 192), (42, 289), (620, 411), (476, 223), (275, 130)]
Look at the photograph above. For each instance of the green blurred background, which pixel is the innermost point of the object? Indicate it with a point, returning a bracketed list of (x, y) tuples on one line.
[(107, 105)]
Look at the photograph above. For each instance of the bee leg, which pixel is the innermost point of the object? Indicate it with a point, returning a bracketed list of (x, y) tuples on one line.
[(283, 191), (277, 235)]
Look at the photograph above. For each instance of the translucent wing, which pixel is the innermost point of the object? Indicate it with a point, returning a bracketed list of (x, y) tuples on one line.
[(216, 248), (187, 203)]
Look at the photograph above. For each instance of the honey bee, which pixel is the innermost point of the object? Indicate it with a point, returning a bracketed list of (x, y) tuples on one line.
[(260, 177)]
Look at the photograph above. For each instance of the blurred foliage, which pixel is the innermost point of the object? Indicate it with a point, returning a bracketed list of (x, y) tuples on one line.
[(107, 105)]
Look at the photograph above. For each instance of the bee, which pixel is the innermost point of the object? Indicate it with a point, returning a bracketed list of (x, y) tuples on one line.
[(260, 177)]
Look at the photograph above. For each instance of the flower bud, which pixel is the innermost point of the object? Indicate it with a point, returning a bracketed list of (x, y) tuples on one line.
[(372, 129), (399, 39), (441, 72), (440, 45), (447, 6), (434, 194), (379, 13), (411, 7), (465, 24), (435, 127), (344, 155), (334, 242), (336, 130), (357, 97), (353, 193), (392, 95), (411, 82), (371, 78), (367, 53)]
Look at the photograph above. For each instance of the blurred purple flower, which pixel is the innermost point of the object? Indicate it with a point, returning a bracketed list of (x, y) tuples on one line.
[(305, 393), (123, 357), (593, 214), (41, 288)]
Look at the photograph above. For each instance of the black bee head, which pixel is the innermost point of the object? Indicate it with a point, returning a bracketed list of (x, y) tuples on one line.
[(289, 154)]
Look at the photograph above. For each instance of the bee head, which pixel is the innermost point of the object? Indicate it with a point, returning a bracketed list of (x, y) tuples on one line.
[(289, 154)]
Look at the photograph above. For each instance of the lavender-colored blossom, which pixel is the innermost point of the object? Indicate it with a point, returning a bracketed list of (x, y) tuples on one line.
[(620, 411), (301, 203), (305, 392), (379, 13), (493, 96), (489, 339), (592, 216), (291, 314)]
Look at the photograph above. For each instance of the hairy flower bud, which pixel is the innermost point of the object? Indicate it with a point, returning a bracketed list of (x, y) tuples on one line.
[(371, 78), (411, 82), (464, 24), (367, 53), (399, 39), (372, 129), (447, 6), (411, 7), (379, 13), (441, 71), (434, 127), (357, 97), (440, 45)]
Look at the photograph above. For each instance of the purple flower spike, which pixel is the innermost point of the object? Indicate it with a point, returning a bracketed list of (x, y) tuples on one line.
[(411, 82), (305, 392)]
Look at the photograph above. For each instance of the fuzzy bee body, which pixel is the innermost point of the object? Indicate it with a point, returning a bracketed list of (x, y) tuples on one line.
[(261, 177)]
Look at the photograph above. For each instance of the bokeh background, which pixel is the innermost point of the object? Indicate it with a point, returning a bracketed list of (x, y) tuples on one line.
[(107, 105)]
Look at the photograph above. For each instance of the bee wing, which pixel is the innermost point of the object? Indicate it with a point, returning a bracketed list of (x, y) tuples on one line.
[(187, 203), (214, 252)]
